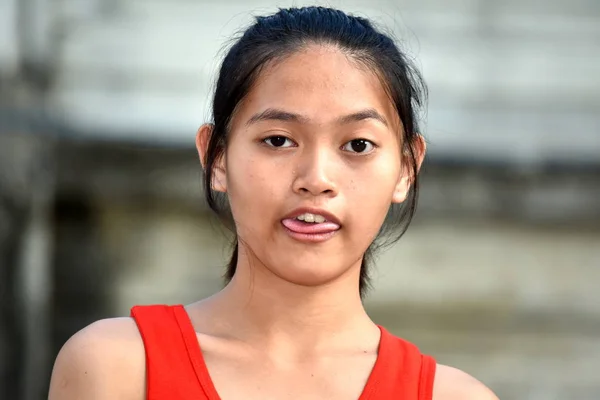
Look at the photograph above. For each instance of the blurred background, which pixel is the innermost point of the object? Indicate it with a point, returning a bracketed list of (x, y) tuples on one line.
[(100, 188)]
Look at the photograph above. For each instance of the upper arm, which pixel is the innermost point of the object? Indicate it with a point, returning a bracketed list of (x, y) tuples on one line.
[(100, 362), (454, 384)]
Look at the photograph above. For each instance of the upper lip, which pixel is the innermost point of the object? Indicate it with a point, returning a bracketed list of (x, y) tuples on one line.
[(326, 214)]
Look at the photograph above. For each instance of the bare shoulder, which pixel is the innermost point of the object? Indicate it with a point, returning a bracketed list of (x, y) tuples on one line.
[(105, 360), (453, 384)]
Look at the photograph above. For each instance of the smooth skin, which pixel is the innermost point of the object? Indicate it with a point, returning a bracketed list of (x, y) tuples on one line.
[(291, 324)]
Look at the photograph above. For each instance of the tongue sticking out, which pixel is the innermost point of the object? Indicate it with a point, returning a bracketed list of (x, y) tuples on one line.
[(309, 228)]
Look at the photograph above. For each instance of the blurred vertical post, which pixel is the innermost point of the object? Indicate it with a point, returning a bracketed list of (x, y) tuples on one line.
[(33, 277)]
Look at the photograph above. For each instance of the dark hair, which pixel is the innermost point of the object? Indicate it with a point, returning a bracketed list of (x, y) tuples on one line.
[(271, 39)]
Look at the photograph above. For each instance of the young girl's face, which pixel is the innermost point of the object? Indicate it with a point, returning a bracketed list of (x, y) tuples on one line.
[(317, 132)]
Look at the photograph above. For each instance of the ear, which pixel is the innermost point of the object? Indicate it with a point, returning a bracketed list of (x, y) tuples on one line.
[(407, 177), (219, 177)]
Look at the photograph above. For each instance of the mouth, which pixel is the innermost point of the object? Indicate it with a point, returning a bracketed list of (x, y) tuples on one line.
[(311, 225)]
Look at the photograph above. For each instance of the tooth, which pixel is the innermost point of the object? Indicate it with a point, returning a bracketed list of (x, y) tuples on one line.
[(301, 217), (309, 217), (319, 219)]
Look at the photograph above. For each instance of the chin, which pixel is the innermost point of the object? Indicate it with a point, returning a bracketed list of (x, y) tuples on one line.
[(309, 272), (308, 279)]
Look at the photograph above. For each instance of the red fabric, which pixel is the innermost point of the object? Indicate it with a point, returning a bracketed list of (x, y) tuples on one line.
[(175, 368)]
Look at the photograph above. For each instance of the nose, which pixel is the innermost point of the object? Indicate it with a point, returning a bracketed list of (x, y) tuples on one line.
[(314, 174)]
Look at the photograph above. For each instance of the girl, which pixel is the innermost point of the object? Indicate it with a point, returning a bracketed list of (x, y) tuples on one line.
[(313, 151)]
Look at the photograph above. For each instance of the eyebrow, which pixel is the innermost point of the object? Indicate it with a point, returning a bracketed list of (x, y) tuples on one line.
[(362, 115), (273, 114)]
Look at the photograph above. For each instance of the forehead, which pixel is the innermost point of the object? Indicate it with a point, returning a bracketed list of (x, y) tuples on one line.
[(320, 82)]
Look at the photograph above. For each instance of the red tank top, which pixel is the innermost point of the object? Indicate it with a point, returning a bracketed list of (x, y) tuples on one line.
[(175, 368)]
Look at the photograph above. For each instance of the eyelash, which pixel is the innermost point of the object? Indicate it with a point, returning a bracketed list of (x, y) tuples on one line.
[(373, 145)]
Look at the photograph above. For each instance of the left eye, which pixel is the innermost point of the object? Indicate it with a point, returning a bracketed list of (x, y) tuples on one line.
[(359, 146), (278, 141)]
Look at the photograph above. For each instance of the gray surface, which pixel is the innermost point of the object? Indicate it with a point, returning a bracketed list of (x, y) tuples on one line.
[(510, 82)]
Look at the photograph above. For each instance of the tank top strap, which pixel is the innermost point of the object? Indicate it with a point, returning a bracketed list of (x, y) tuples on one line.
[(172, 353), (400, 372), (415, 371), (427, 375)]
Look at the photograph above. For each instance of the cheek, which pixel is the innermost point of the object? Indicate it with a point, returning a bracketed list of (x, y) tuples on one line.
[(252, 189), (375, 185), (371, 206), (371, 195)]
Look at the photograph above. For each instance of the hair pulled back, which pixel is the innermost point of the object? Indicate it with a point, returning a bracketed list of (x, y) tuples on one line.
[(272, 38)]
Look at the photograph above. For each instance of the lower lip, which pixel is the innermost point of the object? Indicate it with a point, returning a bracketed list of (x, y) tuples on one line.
[(310, 237)]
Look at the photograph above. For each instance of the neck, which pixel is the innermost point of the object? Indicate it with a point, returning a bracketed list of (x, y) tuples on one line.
[(258, 306)]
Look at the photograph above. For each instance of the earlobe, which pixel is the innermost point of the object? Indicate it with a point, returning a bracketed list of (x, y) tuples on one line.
[(409, 170), (402, 187), (203, 137)]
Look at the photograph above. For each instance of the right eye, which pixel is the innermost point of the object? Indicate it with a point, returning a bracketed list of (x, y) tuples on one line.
[(278, 141)]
